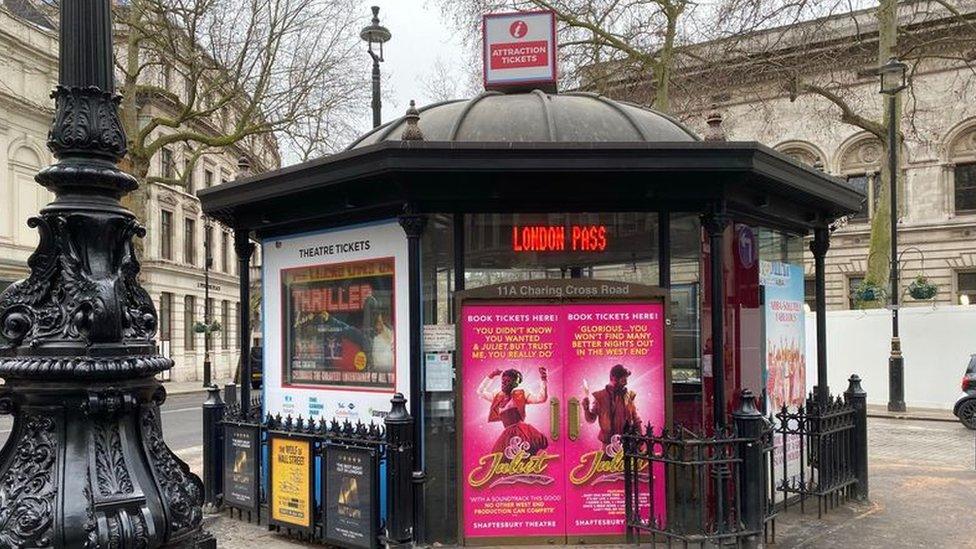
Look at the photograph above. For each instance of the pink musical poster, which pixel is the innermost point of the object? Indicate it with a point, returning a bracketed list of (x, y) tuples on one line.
[(511, 384), (613, 379)]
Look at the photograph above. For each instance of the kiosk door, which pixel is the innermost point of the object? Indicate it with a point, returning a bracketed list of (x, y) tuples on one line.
[(547, 391)]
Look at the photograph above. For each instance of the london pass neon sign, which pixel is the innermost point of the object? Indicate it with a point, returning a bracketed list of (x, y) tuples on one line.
[(559, 238)]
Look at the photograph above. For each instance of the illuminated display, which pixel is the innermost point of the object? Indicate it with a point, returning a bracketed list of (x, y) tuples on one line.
[(558, 238)]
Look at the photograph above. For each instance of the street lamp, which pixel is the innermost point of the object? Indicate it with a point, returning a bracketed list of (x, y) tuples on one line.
[(375, 34), (892, 82), (87, 464), (207, 264)]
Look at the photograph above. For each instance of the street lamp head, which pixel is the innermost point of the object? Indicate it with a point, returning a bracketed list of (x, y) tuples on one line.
[(893, 76), (375, 33)]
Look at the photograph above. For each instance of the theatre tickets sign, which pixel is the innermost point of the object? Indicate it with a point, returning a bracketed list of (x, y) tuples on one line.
[(335, 323), (547, 391), (520, 50)]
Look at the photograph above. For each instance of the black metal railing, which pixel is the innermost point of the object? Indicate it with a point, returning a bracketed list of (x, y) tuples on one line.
[(712, 486), (823, 444), (727, 488), (242, 484)]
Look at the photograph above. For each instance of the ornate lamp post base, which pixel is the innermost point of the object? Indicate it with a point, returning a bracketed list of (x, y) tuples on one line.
[(86, 466)]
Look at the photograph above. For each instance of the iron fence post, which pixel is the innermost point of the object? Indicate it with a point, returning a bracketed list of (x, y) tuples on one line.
[(749, 426), (213, 413), (857, 397), (399, 473), (230, 394)]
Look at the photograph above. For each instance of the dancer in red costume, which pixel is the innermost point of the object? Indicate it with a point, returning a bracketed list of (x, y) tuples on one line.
[(508, 407)]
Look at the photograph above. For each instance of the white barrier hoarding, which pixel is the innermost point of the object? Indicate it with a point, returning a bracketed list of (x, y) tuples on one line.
[(520, 50), (335, 322)]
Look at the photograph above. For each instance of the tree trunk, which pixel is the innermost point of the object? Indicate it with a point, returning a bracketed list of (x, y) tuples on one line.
[(663, 67), (879, 254)]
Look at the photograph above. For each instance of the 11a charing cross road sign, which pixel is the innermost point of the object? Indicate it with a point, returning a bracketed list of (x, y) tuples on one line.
[(520, 51)]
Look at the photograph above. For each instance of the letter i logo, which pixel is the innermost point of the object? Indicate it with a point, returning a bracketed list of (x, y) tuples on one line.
[(518, 29)]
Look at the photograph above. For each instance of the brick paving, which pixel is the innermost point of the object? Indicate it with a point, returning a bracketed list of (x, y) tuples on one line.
[(923, 495)]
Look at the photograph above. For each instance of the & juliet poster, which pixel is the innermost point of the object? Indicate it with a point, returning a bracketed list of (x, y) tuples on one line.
[(613, 367), (512, 463)]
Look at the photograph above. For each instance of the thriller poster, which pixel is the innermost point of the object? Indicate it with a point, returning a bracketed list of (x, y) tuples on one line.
[(336, 331), (613, 363), (512, 458), (350, 503), (339, 325), (291, 481), (241, 461)]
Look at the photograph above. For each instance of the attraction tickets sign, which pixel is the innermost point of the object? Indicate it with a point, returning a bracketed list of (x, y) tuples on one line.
[(547, 391), (520, 50), (335, 322), (291, 496)]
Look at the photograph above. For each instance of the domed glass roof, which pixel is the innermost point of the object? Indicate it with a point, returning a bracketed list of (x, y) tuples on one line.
[(574, 117)]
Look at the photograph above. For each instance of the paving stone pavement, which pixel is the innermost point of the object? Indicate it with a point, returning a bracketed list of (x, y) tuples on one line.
[(923, 495)]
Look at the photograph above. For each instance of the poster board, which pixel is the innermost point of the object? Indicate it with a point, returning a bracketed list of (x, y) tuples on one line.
[(336, 324), (784, 353), (536, 464), (290, 492), (350, 502), (242, 467)]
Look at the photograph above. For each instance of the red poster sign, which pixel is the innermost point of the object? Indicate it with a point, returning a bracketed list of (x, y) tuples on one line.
[(547, 392)]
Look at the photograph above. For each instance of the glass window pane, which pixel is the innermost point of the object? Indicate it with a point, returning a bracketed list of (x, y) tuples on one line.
[(965, 187), (189, 304), (852, 284), (966, 288), (861, 183)]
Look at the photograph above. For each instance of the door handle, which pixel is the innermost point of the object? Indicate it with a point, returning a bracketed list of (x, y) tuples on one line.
[(554, 418), (573, 420)]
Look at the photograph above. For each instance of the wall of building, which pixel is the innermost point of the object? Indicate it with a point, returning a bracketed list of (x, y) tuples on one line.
[(936, 343)]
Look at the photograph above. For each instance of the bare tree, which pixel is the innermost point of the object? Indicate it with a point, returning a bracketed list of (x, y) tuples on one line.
[(206, 76)]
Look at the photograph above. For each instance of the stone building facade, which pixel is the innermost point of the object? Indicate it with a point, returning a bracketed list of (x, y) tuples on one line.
[(937, 177), (173, 269)]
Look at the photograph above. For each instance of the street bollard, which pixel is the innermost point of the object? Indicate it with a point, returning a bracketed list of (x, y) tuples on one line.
[(213, 449), (230, 395), (399, 472), (857, 397), (749, 426)]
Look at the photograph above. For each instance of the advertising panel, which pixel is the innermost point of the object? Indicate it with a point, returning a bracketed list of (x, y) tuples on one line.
[(785, 351), (614, 370), (519, 49), (338, 325), (512, 463), (351, 503), (241, 462), (334, 315), (291, 481), (547, 392)]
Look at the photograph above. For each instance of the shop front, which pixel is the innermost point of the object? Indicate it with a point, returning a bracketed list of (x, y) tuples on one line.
[(536, 273)]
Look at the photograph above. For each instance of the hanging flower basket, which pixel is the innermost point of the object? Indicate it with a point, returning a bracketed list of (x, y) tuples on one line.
[(868, 292), (921, 289), (200, 328)]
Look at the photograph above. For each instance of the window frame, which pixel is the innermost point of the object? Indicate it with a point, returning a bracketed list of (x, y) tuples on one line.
[(189, 241), (189, 313), (955, 188), (849, 279), (957, 289), (166, 234)]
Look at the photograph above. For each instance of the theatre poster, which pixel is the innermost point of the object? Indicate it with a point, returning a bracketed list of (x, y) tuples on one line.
[(785, 351), (335, 322), (547, 391)]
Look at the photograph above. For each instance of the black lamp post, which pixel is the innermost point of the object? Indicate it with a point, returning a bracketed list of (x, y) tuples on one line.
[(86, 464), (376, 34), (892, 82), (207, 313)]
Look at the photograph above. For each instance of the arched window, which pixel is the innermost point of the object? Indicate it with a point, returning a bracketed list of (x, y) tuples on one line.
[(803, 153), (962, 158), (860, 163)]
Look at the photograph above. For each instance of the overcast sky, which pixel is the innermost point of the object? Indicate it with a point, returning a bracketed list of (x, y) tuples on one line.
[(420, 36)]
